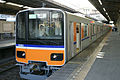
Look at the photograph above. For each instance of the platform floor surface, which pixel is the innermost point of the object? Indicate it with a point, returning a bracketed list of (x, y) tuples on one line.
[(72, 69), (107, 63), (7, 43)]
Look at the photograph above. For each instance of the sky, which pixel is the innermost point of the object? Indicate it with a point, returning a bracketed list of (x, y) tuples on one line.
[(76, 4)]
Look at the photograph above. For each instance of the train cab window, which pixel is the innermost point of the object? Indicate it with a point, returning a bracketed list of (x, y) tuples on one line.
[(45, 25), (56, 22), (21, 25), (38, 24)]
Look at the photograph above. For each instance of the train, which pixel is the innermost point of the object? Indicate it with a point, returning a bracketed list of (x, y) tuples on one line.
[(47, 38)]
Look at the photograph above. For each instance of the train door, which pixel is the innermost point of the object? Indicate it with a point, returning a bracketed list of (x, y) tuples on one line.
[(91, 27), (71, 45), (78, 38)]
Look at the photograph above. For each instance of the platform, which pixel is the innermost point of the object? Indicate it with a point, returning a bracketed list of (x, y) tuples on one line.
[(107, 64), (7, 43), (73, 69)]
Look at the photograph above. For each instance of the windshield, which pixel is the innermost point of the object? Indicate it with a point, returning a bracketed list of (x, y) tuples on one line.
[(21, 23), (45, 25)]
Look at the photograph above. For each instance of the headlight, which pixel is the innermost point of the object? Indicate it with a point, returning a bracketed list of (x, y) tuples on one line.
[(56, 56), (21, 54)]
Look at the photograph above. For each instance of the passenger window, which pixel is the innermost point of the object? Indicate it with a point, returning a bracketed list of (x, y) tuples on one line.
[(93, 32), (86, 30), (77, 29)]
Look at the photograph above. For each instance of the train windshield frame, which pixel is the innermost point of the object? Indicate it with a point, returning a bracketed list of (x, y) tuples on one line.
[(21, 26), (41, 27)]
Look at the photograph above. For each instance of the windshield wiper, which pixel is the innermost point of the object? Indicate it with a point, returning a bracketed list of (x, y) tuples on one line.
[(54, 42)]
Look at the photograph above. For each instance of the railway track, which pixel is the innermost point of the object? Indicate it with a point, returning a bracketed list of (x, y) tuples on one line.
[(4, 67)]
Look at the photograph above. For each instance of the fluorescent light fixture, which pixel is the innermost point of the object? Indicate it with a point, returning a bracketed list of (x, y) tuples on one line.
[(109, 17), (106, 13), (1, 1), (14, 4), (100, 2), (104, 9), (27, 7), (111, 22)]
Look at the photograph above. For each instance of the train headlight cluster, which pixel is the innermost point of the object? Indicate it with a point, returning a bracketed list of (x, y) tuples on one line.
[(20, 54), (56, 56)]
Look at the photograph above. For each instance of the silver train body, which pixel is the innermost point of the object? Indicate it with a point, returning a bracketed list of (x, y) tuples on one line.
[(93, 32)]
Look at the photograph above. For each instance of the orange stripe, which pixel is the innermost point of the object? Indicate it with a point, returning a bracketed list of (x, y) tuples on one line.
[(74, 31), (82, 31), (88, 29), (40, 55)]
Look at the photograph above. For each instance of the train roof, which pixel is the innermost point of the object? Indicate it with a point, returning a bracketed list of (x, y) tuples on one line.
[(33, 9)]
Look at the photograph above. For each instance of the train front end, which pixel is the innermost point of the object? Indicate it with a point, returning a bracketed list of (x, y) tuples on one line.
[(40, 40)]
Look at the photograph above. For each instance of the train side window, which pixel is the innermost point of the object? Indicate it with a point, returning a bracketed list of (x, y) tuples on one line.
[(93, 29), (86, 30), (77, 29), (99, 29)]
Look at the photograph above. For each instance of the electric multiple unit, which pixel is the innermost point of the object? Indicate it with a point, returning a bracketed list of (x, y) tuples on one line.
[(46, 38)]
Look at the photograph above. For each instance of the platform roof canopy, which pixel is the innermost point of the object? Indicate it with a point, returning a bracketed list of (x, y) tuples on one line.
[(7, 8), (110, 9)]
